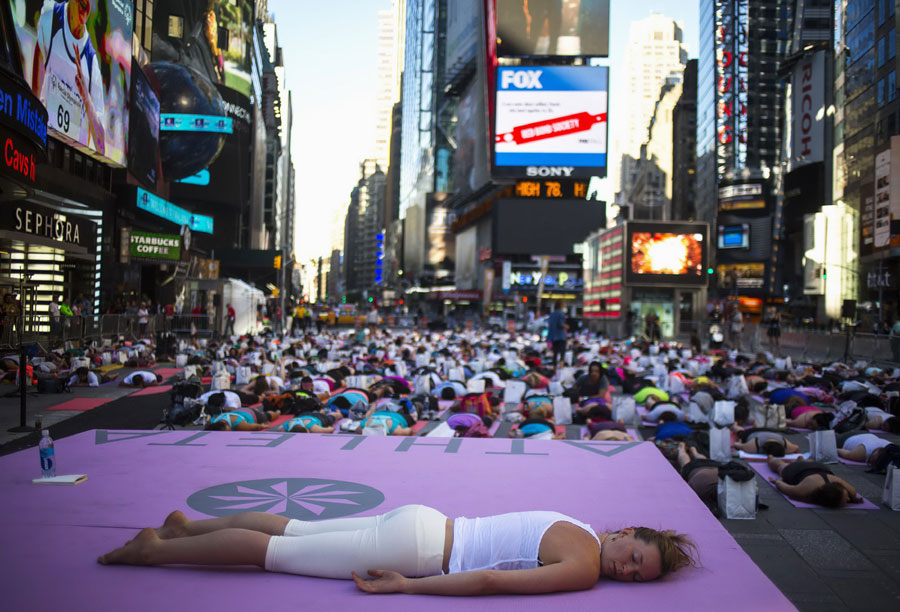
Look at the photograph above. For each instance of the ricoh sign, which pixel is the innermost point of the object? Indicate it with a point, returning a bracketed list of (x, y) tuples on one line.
[(806, 112)]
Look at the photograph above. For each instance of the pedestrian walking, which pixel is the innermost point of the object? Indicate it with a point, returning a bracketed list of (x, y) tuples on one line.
[(895, 341), (556, 332), (229, 320), (143, 318)]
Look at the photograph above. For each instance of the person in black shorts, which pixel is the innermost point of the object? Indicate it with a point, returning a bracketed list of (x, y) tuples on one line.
[(812, 482)]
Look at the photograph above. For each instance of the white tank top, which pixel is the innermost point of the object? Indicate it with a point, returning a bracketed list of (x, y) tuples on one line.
[(503, 542), (870, 441)]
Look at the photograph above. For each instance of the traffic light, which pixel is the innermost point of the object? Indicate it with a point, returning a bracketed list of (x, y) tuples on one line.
[(277, 262), (710, 271), (344, 299)]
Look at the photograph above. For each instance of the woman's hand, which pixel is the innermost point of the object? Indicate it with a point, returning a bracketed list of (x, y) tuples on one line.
[(382, 581)]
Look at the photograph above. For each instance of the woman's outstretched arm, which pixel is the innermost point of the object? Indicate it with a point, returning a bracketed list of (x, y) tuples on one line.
[(563, 576)]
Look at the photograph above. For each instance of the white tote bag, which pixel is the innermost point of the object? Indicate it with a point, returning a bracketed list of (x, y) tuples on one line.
[(513, 392), (722, 414), (457, 374), (562, 410), (822, 446), (891, 493), (221, 382), (719, 444), (476, 385), (242, 376), (624, 411), (737, 500), (181, 360)]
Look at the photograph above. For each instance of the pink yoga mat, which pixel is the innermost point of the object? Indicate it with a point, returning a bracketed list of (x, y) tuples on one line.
[(59, 531), (81, 403), (763, 470), (153, 390)]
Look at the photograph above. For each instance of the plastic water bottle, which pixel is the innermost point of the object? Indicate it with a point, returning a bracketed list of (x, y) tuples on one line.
[(48, 458)]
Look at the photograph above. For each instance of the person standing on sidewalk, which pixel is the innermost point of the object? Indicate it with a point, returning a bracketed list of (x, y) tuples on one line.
[(895, 341), (54, 316), (737, 328), (556, 332), (143, 317), (229, 320), (774, 331)]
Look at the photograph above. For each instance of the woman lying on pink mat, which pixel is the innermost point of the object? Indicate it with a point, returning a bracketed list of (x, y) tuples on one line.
[(417, 549)]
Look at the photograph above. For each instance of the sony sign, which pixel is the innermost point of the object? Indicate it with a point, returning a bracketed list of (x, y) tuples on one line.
[(807, 116), (549, 170)]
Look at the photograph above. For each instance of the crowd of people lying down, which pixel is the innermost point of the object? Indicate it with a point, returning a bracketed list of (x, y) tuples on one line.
[(484, 384)]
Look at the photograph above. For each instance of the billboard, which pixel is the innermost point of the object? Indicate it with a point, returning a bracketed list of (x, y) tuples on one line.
[(741, 276), (807, 100), (227, 179), (736, 236), (160, 207), (742, 196), (551, 121), (463, 34), (87, 99), (471, 165), (551, 28), (226, 28), (143, 129), (666, 253), (544, 227)]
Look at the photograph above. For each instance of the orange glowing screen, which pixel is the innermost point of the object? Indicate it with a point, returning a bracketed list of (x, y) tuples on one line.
[(655, 253)]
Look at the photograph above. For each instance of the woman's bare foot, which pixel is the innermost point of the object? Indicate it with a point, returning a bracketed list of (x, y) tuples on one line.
[(175, 526), (135, 552)]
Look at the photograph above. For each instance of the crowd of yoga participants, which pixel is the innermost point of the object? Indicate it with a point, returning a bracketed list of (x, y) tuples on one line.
[(479, 384)]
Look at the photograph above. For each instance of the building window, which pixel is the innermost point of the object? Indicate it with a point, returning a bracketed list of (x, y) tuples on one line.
[(880, 92), (882, 47), (891, 85), (891, 44)]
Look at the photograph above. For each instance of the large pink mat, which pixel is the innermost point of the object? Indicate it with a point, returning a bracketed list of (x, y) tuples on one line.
[(136, 478)]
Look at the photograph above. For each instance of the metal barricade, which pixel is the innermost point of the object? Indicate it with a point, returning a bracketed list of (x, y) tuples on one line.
[(190, 324)]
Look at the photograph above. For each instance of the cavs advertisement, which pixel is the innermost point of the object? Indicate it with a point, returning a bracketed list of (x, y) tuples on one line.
[(76, 55)]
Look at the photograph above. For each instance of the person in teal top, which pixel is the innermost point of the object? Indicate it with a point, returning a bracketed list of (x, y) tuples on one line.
[(245, 419), (394, 423), (310, 422)]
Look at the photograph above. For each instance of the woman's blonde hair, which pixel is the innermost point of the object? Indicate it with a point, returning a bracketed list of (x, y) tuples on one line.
[(676, 550)]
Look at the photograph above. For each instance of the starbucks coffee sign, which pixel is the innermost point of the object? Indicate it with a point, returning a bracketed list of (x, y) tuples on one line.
[(155, 246)]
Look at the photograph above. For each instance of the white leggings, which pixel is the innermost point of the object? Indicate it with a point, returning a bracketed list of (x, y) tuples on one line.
[(408, 540)]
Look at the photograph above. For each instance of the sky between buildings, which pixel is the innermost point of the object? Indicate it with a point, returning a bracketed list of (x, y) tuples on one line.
[(329, 58)]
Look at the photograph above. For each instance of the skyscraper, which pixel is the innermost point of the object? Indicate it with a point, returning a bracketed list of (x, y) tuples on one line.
[(739, 95), (386, 84), (654, 52)]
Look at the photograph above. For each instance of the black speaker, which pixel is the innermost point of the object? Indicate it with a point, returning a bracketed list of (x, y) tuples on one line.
[(848, 309)]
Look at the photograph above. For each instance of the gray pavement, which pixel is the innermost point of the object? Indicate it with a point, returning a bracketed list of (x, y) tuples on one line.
[(822, 560)]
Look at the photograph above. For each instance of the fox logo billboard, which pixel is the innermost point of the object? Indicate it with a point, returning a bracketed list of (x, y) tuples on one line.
[(521, 79)]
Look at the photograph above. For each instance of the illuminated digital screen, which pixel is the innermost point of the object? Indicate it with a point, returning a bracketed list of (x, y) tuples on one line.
[(734, 236), (172, 212), (661, 253), (174, 122), (551, 189)]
